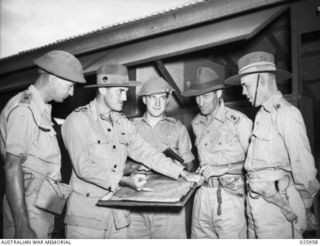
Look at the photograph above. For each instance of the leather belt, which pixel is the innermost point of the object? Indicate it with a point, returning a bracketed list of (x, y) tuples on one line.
[(211, 182)]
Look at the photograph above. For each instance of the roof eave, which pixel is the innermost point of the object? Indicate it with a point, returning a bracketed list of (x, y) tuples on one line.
[(132, 31)]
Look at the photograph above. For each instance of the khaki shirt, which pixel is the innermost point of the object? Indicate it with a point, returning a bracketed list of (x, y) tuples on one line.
[(27, 131), (98, 147), (224, 139), (168, 132), (279, 141)]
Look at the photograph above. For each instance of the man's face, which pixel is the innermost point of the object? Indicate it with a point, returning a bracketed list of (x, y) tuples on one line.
[(249, 86), (62, 89), (156, 104), (115, 97), (208, 102)]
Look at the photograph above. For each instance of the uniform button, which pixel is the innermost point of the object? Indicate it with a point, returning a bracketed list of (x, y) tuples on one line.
[(109, 130), (114, 146), (88, 194), (115, 165), (205, 144), (220, 143), (98, 142)]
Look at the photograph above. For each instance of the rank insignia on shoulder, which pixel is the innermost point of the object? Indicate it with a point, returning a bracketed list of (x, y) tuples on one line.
[(277, 106), (234, 118), (26, 97), (81, 109)]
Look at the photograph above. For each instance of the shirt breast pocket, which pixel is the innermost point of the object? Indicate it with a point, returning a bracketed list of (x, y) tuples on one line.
[(170, 141), (98, 146), (224, 139), (221, 139), (261, 141), (277, 150), (47, 143), (123, 138)]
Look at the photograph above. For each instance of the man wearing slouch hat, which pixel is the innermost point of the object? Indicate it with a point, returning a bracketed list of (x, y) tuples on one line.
[(281, 173), (222, 137), (99, 138)]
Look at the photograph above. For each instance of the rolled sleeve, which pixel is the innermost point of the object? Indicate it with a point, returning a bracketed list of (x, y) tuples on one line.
[(21, 131), (74, 133), (244, 129), (302, 162), (184, 144)]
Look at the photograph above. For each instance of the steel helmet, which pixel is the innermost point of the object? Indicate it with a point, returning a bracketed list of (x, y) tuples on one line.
[(61, 64)]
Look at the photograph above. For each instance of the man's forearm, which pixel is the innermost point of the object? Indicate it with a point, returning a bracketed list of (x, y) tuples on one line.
[(14, 181)]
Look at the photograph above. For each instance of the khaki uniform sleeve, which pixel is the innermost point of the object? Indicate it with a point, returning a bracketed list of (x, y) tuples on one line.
[(74, 135), (293, 131), (21, 131), (244, 129), (184, 144), (141, 151)]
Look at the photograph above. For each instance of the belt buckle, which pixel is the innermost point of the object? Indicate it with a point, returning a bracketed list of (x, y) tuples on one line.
[(211, 182)]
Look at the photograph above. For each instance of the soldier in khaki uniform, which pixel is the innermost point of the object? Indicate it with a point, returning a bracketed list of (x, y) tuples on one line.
[(29, 145), (161, 132), (281, 174), (99, 138), (222, 137)]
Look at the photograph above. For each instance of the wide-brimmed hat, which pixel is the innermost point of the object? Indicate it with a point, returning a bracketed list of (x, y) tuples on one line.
[(207, 79), (257, 62), (61, 64), (113, 75), (155, 85)]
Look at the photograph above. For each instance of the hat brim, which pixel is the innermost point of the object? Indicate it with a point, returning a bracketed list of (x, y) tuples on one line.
[(128, 84), (280, 74), (47, 69), (193, 92)]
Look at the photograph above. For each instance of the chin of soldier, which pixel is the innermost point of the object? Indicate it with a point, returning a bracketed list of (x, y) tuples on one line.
[(118, 108), (204, 112)]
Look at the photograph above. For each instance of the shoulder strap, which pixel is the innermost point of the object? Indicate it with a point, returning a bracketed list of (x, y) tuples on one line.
[(94, 124), (34, 118)]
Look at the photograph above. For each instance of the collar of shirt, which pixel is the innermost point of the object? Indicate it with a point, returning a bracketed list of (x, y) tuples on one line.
[(220, 115), (272, 101), (110, 117), (45, 108), (164, 118)]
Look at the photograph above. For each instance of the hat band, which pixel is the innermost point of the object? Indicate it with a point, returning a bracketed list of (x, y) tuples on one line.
[(206, 85), (103, 79), (257, 66)]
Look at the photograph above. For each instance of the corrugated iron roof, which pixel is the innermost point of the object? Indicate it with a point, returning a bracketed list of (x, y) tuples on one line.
[(192, 3)]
